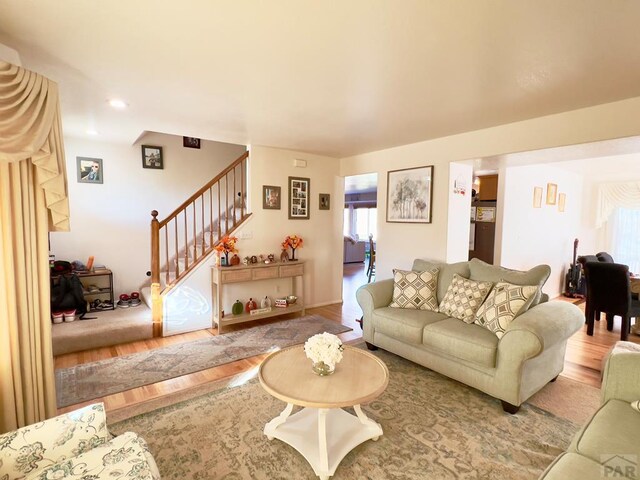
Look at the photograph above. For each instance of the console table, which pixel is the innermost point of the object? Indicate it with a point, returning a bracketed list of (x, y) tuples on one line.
[(222, 275)]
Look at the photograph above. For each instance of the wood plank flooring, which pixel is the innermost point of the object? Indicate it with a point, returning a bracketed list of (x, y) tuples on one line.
[(583, 359)]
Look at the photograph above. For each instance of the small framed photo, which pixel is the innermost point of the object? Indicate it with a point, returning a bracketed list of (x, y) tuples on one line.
[(271, 197), (152, 157), (299, 190), (552, 190), (190, 142), (537, 197), (325, 201), (89, 170), (562, 201)]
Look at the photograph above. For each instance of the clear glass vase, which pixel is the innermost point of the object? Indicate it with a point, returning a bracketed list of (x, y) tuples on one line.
[(322, 369)]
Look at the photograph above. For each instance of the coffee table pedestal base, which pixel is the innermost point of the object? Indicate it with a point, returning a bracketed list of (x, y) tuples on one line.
[(323, 436)]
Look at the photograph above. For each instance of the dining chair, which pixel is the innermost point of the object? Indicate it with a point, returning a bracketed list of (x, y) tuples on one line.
[(371, 270), (609, 291)]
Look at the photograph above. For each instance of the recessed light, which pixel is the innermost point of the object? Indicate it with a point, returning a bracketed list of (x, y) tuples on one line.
[(117, 103), (92, 132)]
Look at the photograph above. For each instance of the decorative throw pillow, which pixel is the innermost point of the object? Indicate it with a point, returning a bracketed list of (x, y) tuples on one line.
[(416, 290), (464, 297), (505, 302)]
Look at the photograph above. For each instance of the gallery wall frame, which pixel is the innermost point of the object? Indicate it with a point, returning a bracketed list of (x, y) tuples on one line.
[(552, 192), (152, 157), (324, 201), (299, 194), (410, 195), (89, 170), (271, 197)]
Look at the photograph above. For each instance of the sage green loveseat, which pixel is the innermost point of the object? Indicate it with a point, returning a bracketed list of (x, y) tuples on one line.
[(512, 368), (608, 446)]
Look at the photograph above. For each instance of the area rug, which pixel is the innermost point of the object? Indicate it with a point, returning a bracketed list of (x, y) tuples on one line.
[(97, 379), (434, 427)]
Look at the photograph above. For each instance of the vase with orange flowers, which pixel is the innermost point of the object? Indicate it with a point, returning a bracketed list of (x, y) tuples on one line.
[(226, 246), (292, 242)]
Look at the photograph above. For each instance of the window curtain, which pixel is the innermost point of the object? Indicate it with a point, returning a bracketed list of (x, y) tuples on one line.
[(624, 232), (616, 195), (33, 201)]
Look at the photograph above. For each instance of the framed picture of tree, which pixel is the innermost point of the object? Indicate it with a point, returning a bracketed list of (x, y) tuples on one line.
[(409, 195)]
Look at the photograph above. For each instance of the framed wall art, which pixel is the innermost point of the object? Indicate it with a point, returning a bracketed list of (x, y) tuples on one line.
[(89, 170), (190, 142), (562, 201), (271, 197), (537, 197), (299, 194), (152, 157), (325, 201), (410, 195), (552, 190)]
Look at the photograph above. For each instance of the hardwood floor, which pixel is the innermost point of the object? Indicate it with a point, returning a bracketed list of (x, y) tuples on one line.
[(582, 363)]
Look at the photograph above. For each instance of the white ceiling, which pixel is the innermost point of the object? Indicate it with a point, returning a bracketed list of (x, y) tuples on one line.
[(330, 77)]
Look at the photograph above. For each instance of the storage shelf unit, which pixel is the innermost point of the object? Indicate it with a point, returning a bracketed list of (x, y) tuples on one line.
[(104, 291), (222, 276)]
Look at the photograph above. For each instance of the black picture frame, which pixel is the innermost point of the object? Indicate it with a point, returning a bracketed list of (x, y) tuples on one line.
[(299, 195), (89, 170), (410, 195), (190, 142), (152, 157)]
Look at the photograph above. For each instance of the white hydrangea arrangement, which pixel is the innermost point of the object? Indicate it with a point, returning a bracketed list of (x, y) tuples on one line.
[(324, 347)]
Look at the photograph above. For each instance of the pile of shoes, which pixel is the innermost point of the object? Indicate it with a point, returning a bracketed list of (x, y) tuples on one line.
[(132, 300)]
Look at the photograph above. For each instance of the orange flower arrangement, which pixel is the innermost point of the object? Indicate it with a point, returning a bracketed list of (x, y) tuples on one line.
[(293, 242), (226, 246)]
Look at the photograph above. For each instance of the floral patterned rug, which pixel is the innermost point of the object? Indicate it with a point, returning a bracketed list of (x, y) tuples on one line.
[(97, 379), (434, 427)]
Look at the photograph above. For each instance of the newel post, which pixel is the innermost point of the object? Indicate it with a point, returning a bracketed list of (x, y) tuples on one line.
[(156, 299)]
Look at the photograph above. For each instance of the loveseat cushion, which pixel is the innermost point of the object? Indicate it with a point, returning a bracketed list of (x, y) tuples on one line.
[(29, 448), (415, 290), (571, 465), (538, 275), (403, 324), (464, 297), (465, 341), (447, 270), (612, 431), (505, 302)]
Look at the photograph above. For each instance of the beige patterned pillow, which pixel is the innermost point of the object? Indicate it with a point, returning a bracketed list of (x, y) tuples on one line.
[(504, 303), (464, 297), (415, 290)]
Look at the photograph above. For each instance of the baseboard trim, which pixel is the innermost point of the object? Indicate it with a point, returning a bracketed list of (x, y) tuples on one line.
[(324, 304)]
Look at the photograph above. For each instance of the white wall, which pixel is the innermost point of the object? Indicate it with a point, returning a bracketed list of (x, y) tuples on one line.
[(459, 223), (322, 233), (533, 236), (111, 220), (399, 244)]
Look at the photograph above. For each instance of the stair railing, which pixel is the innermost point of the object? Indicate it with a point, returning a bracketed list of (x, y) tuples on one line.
[(188, 235)]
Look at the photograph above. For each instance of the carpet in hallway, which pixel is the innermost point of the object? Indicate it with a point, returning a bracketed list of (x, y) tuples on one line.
[(98, 379)]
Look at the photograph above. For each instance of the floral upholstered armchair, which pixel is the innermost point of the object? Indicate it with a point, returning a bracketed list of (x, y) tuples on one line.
[(74, 446)]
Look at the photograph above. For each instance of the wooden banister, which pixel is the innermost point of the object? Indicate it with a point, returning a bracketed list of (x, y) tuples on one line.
[(189, 228), (201, 191)]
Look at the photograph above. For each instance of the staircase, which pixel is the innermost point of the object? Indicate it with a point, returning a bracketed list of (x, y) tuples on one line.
[(185, 238)]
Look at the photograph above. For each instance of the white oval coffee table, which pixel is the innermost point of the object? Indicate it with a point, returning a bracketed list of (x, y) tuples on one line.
[(322, 432)]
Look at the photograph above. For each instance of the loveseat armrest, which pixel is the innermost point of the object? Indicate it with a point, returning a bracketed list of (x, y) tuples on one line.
[(621, 374), (375, 295), (544, 325)]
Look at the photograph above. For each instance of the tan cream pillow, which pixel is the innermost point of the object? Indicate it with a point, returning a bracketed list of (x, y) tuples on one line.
[(505, 302), (464, 297), (415, 290)]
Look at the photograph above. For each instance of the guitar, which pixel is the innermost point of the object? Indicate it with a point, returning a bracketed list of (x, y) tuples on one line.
[(574, 276)]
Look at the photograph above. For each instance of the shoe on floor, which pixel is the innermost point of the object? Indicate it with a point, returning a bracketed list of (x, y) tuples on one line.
[(125, 301), (69, 315), (135, 299), (58, 317)]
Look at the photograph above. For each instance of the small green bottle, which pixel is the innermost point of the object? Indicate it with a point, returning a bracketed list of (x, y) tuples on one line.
[(237, 308)]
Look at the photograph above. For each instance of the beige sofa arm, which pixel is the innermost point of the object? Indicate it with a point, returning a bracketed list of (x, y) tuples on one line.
[(621, 375), (375, 295), (541, 327)]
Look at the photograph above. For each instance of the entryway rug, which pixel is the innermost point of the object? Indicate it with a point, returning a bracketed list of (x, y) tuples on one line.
[(97, 379), (434, 428)]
